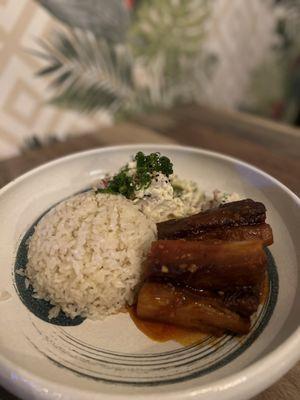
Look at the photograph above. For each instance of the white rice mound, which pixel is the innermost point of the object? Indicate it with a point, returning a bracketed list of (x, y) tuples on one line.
[(86, 253)]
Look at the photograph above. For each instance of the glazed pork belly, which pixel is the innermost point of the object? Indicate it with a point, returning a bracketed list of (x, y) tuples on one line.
[(261, 232), (236, 214), (167, 303), (206, 271), (206, 265), (242, 300)]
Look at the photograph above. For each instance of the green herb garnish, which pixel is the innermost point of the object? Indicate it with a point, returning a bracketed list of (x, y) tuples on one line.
[(120, 183), (146, 167)]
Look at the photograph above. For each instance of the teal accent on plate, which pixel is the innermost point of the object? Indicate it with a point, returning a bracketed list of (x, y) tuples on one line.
[(143, 369), (40, 308)]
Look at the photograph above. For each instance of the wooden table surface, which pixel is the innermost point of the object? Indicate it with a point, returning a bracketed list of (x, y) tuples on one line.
[(274, 148)]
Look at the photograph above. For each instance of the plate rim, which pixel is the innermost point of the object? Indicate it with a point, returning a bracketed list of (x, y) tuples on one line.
[(281, 359), (188, 149)]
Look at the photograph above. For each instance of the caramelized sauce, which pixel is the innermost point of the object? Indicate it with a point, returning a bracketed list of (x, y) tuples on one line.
[(161, 332)]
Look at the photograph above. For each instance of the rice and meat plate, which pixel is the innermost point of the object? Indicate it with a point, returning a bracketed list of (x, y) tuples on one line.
[(85, 254)]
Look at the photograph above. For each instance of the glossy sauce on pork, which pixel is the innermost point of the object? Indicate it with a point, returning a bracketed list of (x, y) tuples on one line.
[(207, 272), (162, 332)]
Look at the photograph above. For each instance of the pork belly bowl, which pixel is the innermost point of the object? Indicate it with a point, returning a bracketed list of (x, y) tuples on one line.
[(147, 272)]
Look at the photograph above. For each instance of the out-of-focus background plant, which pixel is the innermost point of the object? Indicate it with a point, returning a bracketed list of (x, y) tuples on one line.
[(72, 66), (139, 55), (274, 89), (126, 57)]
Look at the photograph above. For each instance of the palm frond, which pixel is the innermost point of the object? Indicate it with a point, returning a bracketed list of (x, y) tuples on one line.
[(167, 36), (86, 72), (86, 98), (174, 27)]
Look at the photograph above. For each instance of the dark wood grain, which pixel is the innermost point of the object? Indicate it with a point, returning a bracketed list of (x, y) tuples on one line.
[(274, 148), (125, 133)]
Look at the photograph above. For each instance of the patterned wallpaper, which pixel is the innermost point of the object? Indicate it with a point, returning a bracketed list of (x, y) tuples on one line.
[(22, 96), (239, 33)]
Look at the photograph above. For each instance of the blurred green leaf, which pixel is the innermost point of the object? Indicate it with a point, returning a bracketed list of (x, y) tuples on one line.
[(160, 64), (104, 18), (87, 73)]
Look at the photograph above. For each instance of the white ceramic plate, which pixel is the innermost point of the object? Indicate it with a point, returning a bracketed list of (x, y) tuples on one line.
[(112, 359)]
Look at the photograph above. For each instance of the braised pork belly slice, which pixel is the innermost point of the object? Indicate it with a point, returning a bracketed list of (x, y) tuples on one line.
[(237, 213), (164, 302), (261, 232), (242, 300), (206, 265)]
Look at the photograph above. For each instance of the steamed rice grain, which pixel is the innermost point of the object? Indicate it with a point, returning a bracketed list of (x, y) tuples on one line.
[(85, 254)]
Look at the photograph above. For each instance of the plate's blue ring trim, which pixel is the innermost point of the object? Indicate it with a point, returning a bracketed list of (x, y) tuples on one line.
[(189, 354), (92, 373), (40, 308), (167, 354), (258, 327), (184, 360)]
